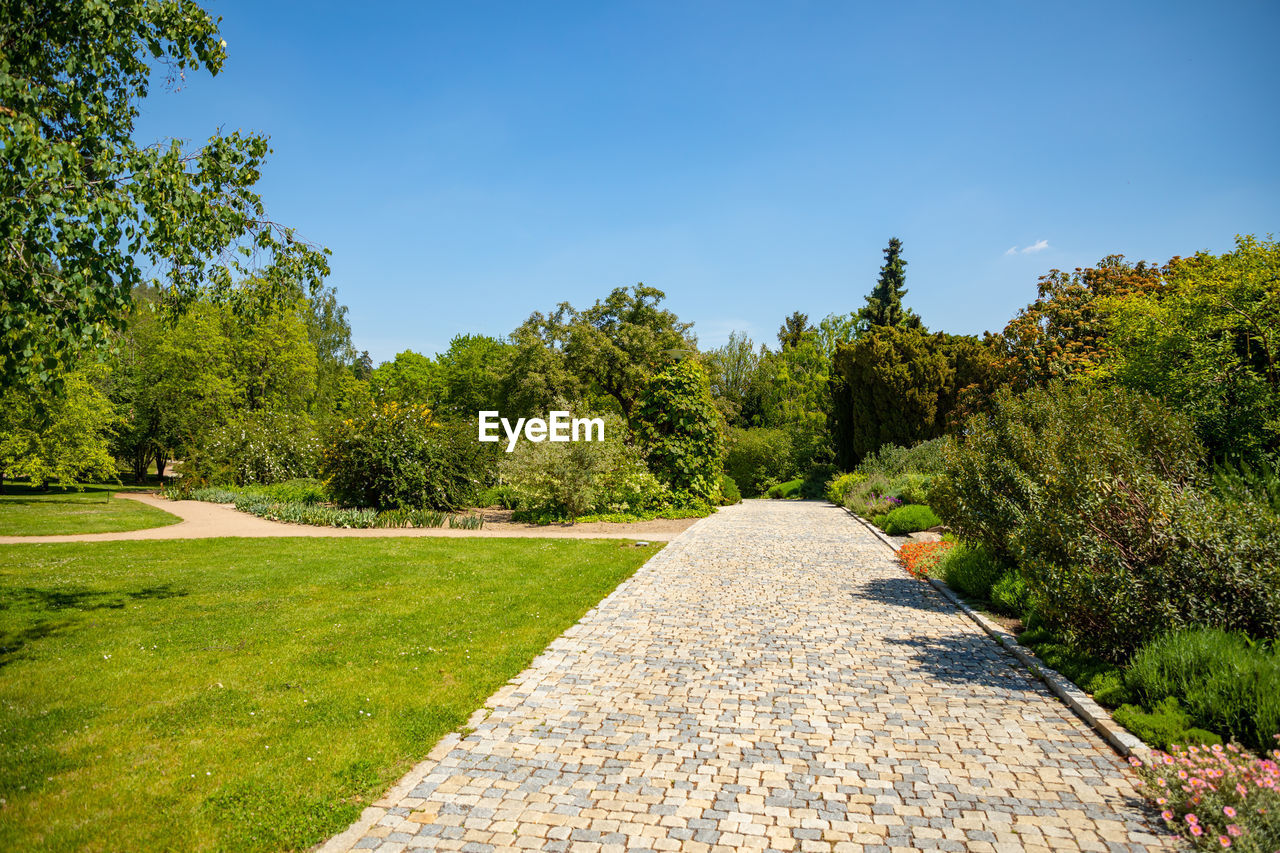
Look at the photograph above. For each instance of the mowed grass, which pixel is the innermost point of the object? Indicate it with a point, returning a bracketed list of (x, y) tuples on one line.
[(25, 511), (256, 694)]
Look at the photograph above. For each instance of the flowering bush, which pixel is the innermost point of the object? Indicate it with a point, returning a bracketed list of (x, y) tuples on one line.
[(256, 447), (919, 558), (1217, 797)]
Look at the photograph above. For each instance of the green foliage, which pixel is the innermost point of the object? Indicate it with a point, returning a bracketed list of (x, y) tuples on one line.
[(558, 480), (839, 487), (1225, 682), (897, 385), (758, 458), (394, 456), (884, 303), (619, 342), (729, 492), (255, 447), (1098, 496), (790, 490), (1257, 484), (297, 503), (970, 569), (87, 206), (1009, 595), (1206, 343), (1101, 679), (907, 519), (681, 431), (1063, 334), (409, 378), (58, 433), (1165, 725)]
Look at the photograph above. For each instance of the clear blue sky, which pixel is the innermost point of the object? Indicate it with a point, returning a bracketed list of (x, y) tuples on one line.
[(469, 163)]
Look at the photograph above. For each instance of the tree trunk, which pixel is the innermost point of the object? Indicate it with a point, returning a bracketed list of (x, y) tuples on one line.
[(140, 460), (162, 457)]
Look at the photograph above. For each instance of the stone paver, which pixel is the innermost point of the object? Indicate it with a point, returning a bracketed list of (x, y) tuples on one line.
[(771, 680)]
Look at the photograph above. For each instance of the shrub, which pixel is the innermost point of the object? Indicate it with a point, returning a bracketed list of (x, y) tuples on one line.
[(758, 458), (681, 430), (1226, 683), (1164, 726), (396, 456), (729, 493), (907, 519), (305, 491), (971, 570), (1101, 679), (556, 480), (893, 460), (1257, 484), (1217, 797), (839, 487), (257, 447), (1009, 594), (1099, 498), (789, 490)]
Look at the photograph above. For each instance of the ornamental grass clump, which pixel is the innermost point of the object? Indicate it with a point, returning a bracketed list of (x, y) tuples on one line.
[(1216, 797)]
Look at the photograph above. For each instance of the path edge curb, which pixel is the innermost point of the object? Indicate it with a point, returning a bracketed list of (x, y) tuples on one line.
[(1121, 739)]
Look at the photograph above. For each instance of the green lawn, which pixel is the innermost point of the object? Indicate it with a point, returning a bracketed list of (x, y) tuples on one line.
[(25, 511), (255, 694)]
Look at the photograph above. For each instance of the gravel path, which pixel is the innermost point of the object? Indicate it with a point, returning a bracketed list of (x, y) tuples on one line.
[(201, 520), (770, 680)]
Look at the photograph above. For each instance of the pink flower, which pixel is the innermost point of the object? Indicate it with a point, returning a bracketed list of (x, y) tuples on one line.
[(1228, 811), (1160, 801), (1191, 818), (1224, 841), (1196, 830), (1234, 831), (1166, 814)]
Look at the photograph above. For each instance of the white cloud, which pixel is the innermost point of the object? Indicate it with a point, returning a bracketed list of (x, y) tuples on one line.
[(1038, 246)]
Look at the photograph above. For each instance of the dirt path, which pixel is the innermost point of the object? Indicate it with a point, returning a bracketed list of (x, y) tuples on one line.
[(201, 520)]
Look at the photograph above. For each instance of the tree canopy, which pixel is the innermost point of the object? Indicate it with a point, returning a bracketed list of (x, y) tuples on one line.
[(87, 214)]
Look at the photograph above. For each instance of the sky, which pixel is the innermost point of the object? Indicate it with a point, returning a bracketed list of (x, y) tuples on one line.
[(469, 163)]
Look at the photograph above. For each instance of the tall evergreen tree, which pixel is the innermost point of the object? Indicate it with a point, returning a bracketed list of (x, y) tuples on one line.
[(793, 330), (884, 303)]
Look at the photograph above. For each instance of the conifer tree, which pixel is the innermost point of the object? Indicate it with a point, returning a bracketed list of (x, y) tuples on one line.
[(884, 303)]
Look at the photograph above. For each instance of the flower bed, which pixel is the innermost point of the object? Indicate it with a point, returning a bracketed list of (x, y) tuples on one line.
[(1217, 797)]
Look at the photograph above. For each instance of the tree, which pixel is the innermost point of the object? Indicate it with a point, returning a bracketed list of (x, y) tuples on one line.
[(470, 375), (734, 371), (681, 431), (169, 383), (409, 378), (793, 330), (84, 207), (900, 385), (884, 303), (60, 436), (619, 342), (1063, 334), (1208, 343)]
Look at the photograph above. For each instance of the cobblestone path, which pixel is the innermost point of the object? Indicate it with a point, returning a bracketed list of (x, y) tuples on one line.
[(771, 680)]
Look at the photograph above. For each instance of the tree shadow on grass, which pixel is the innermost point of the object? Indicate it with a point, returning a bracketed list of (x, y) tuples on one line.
[(37, 602)]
